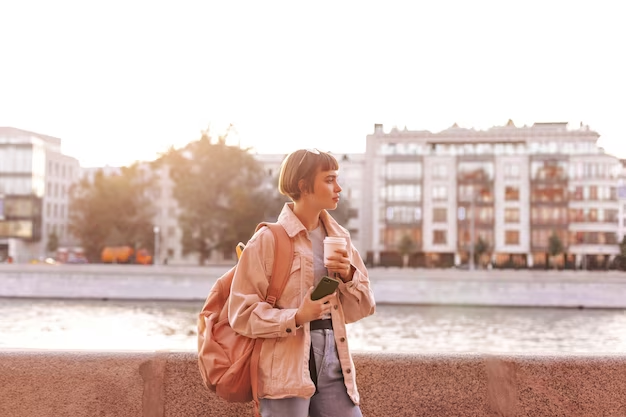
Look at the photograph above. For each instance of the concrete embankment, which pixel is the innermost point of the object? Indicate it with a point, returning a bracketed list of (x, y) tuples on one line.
[(406, 286), (168, 384)]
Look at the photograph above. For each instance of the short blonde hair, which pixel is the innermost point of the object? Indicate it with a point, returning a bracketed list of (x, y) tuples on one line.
[(303, 164)]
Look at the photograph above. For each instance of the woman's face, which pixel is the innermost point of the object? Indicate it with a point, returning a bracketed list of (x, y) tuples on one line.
[(326, 189)]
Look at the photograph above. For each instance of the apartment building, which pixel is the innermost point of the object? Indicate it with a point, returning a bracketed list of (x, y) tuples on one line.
[(501, 192), (35, 178), (621, 198)]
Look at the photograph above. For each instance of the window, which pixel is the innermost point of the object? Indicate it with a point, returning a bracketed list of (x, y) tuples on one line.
[(475, 192), (475, 171), (610, 216), (549, 170), (549, 215), (576, 215), (440, 215), (511, 215), (391, 237), (485, 215), (440, 237), (403, 214), (440, 192), (511, 171), (548, 194), (403, 192), (576, 193), (440, 171), (171, 231), (511, 193), (404, 170), (511, 237)]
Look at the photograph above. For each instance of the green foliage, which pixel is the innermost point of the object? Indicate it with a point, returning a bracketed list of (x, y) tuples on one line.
[(53, 242), (621, 258), (555, 246), (222, 193), (113, 210), (480, 248), (406, 245)]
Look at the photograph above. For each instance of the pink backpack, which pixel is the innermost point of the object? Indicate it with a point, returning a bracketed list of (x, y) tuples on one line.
[(228, 361)]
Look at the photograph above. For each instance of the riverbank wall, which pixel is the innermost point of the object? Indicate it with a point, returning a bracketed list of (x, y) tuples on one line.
[(528, 288), (168, 384)]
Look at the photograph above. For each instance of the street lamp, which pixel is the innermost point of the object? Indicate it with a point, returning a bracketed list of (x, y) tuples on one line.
[(156, 245)]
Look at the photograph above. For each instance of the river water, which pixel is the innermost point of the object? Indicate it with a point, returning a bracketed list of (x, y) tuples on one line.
[(167, 325)]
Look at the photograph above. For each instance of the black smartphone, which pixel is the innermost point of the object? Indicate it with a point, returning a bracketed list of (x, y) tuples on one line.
[(326, 286)]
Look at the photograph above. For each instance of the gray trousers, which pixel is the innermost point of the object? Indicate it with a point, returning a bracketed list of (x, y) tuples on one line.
[(332, 399)]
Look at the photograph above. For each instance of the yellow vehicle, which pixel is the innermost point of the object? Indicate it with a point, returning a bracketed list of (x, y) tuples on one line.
[(125, 255)]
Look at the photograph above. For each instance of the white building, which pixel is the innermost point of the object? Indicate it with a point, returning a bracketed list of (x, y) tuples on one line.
[(35, 178), (512, 187)]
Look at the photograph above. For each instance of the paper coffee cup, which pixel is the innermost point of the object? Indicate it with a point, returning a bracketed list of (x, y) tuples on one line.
[(331, 244)]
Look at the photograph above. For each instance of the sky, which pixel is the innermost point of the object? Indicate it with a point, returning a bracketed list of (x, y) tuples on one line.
[(120, 81)]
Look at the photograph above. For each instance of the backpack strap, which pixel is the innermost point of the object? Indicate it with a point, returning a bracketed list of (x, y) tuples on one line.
[(283, 258)]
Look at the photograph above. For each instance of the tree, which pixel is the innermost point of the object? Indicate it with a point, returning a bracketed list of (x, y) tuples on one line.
[(555, 247), (113, 210), (406, 246), (621, 258), (53, 242), (480, 249), (222, 193)]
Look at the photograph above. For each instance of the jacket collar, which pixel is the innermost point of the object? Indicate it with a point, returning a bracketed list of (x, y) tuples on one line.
[(293, 225)]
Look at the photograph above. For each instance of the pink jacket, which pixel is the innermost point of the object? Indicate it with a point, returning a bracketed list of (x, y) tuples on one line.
[(284, 360)]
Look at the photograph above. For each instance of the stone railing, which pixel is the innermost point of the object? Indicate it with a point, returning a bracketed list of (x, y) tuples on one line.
[(168, 384)]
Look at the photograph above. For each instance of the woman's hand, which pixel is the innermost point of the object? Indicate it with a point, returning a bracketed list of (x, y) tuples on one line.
[(339, 263), (311, 310)]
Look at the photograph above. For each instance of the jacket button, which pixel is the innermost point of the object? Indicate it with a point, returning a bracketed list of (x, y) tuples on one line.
[(288, 330), (336, 306), (343, 339), (348, 371)]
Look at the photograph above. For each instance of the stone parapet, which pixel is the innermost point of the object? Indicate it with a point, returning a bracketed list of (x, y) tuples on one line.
[(168, 384)]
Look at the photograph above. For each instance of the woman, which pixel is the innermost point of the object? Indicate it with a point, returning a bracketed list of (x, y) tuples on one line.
[(306, 340)]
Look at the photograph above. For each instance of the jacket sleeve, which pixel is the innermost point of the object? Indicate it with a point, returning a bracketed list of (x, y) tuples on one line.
[(248, 313), (356, 296)]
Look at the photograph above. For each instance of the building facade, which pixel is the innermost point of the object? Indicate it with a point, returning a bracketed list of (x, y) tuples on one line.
[(35, 178), (502, 197), (501, 194)]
